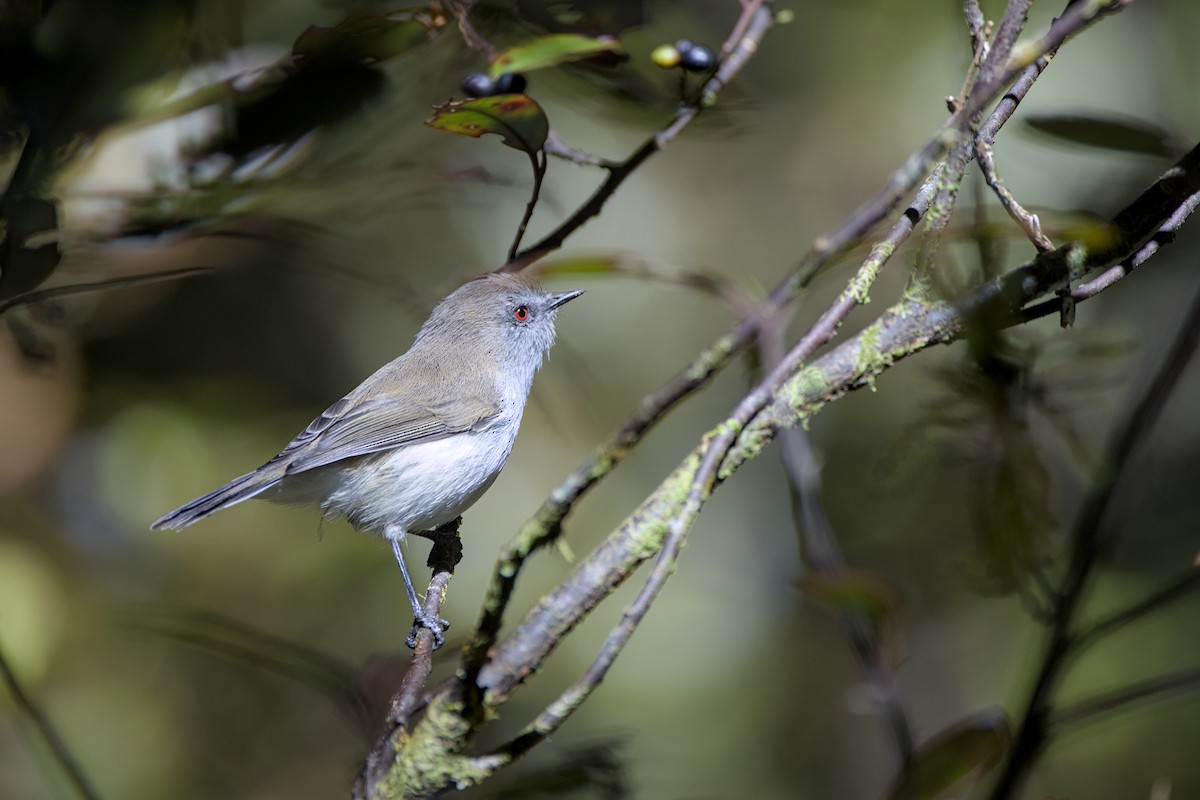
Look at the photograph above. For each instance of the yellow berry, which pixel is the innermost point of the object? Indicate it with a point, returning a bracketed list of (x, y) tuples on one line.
[(665, 56)]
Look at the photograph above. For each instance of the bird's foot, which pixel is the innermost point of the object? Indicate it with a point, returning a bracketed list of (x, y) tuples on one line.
[(435, 624)]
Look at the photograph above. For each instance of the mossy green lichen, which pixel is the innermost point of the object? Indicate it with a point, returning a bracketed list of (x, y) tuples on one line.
[(429, 758)]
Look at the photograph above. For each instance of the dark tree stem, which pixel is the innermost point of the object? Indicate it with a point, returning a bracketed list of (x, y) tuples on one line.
[(1087, 548), (48, 733)]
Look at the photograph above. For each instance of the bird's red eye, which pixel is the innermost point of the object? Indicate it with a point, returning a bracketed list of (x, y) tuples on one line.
[(521, 314)]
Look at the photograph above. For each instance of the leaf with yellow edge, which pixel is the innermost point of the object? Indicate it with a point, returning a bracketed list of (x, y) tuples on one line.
[(546, 51), (516, 118)]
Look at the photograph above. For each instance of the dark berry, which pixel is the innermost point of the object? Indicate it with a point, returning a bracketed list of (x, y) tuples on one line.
[(478, 85), (698, 59), (683, 45), (510, 83)]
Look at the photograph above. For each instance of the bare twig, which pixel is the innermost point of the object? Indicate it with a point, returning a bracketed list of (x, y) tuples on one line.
[(1118, 699), (55, 292), (461, 10), (1013, 22), (979, 30), (490, 671), (502, 676), (1164, 235), (431, 756), (1086, 550), (556, 147), (1027, 221), (987, 68), (1178, 587), (46, 730), (538, 161), (443, 557), (756, 19), (545, 526)]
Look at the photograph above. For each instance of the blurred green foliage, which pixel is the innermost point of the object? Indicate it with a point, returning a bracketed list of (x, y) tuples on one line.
[(327, 253)]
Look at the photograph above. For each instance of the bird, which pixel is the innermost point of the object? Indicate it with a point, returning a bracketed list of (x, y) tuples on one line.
[(419, 441)]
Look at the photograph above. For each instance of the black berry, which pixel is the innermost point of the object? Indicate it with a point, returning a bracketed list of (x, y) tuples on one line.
[(683, 45), (696, 59), (510, 83), (478, 85)]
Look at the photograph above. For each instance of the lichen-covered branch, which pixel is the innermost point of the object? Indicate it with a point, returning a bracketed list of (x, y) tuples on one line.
[(913, 324), (430, 755), (1086, 548)]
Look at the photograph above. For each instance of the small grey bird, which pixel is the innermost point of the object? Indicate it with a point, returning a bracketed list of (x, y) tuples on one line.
[(419, 441)]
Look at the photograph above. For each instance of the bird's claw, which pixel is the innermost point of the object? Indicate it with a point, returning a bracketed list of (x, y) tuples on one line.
[(436, 625)]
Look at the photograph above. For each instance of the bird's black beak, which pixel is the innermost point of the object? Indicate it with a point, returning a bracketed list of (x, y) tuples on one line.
[(566, 297)]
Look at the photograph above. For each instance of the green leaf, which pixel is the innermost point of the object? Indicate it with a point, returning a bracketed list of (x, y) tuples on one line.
[(546, 51), (516, 118), (366, 36), (956, 759), (1109, 133)]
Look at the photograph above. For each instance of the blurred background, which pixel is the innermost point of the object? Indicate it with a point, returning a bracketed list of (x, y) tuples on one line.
[(241, 657)]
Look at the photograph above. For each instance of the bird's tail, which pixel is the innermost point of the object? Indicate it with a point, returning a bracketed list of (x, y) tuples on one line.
[(249, 485)]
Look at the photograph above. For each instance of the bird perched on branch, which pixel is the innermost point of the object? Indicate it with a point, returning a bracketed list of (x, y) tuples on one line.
[(419, 441)]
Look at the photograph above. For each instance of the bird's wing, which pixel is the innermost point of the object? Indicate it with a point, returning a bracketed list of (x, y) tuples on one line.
[(353, 427)]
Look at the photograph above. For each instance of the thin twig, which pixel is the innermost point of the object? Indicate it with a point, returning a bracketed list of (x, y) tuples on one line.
[(756, 19), (910, 326), (538, 161), (991, 65), (1027, 221), (1086, 550), (978, 29), (1163, 236), (443, 557), (461, 10), (503, 678), (55, 292), (718, 443), (1118, 699), (1011, 25), (558, 148), (546, 524), (487, 676), (58, 749), (1176, 588)]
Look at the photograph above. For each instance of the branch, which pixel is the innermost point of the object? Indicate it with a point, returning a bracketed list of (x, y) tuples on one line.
[(443, 557), (545, 526), (1177, 588), (1118, 699), (990, 62), (1163, 236), (1086, 549), (429, 757), (46, 730), (461, 11), (912, 325), (756, 19), (823, 555), (538, 161)]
